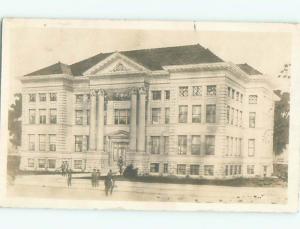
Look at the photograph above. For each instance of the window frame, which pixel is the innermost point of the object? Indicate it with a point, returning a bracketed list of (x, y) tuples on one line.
[(183, 91), (194, 170), (183, 113), (251, 147), (155, 144), (195, 148), (211, 117), (156, 95), (211, 90), (155, 115), (210, 147), (196, 117), (182, 144)]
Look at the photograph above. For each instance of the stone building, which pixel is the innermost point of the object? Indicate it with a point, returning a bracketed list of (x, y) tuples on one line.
[(168, 111)]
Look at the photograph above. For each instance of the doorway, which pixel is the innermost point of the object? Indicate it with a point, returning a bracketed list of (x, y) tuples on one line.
[(119, 149)]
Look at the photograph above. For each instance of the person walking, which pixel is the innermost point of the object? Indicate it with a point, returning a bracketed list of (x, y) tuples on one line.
[(69, 178), (109, 183)]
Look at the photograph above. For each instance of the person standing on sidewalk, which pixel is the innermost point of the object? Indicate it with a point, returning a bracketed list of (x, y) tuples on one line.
[(93, 178), (98, 174), (69, 178)]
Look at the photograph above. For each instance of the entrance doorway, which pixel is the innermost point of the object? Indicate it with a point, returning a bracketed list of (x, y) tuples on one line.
[(119, 149)]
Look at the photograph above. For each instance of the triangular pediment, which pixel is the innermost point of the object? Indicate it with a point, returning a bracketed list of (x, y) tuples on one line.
[(119, 134), (114, 64)]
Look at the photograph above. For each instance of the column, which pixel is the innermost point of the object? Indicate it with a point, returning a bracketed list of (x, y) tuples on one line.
[(132, 143), (92, 143), (141, 120), (100, 121)]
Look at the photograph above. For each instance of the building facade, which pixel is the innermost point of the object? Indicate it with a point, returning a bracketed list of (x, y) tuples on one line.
[(167, 111)]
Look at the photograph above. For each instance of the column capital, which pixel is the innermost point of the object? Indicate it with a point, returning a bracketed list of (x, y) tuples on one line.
[(94, 92), (142, 90), (133, 91), (101, 92)]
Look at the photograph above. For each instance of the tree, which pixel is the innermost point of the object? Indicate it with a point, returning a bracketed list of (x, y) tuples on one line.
[(14, 122), (281, 122)]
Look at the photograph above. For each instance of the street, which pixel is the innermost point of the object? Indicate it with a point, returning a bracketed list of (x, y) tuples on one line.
[(55, 186)]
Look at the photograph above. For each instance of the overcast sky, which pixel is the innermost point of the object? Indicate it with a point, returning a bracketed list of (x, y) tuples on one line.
[(34, 48)]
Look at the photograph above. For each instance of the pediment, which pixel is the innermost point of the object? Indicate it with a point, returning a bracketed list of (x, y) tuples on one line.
[(116, 63), (119, 134)]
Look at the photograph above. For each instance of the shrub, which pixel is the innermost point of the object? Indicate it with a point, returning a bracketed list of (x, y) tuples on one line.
[(130, 171)]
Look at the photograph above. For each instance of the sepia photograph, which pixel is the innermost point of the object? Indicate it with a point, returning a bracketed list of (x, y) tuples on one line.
[(148, 115)]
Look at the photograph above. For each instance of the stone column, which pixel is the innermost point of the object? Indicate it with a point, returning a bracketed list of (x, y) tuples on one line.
[(100, 121), (141, 131), (93, 110), (132, 143)]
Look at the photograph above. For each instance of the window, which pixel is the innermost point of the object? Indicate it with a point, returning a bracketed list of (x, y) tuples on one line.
[(42, 163), (78, 117), (154, 168), (211, 90), (183, 91), (166, 144), (183, 113), (88, 117), (232, 116), (251, 147), (81, 143), (194, 169), (252, 99), (196, 144), (30, 163), (226, 170), (155, 145), (228, 91), (232, 93), (31, 141), (237, 96), (78, 143), (231, 170), (211, 113), (167, 95), (52, 142), (79, 98), (250, 169), (210, 144), (155, 115), (208, 170), (156, 95), (252, 119), (42, 113), (167, 115), (42, 97), (231, 146), (51, 163), (197, 90), (182, 144), (32, 97), (88, 98), (166, 168), (239, 169), (240, 147), (181, 169), (53, 97), (241, 119), (227, 146), (122, 116), (53, 115), (228, 114), (236, 117), (42, 142), (31, 116), (77, 164), (241, 98), (196, 113)]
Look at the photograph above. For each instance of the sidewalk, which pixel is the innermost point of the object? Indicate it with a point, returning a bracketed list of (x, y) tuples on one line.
[(127, 190)]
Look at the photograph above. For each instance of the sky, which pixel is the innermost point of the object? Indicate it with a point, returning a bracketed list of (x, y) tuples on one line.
[(32, 48)]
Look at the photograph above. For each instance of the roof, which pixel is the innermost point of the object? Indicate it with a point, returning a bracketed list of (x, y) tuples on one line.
[(58, 68), (249, 69), (153, 59)]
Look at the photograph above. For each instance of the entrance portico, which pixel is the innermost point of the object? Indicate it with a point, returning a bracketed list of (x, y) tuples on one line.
[(110, 137)]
